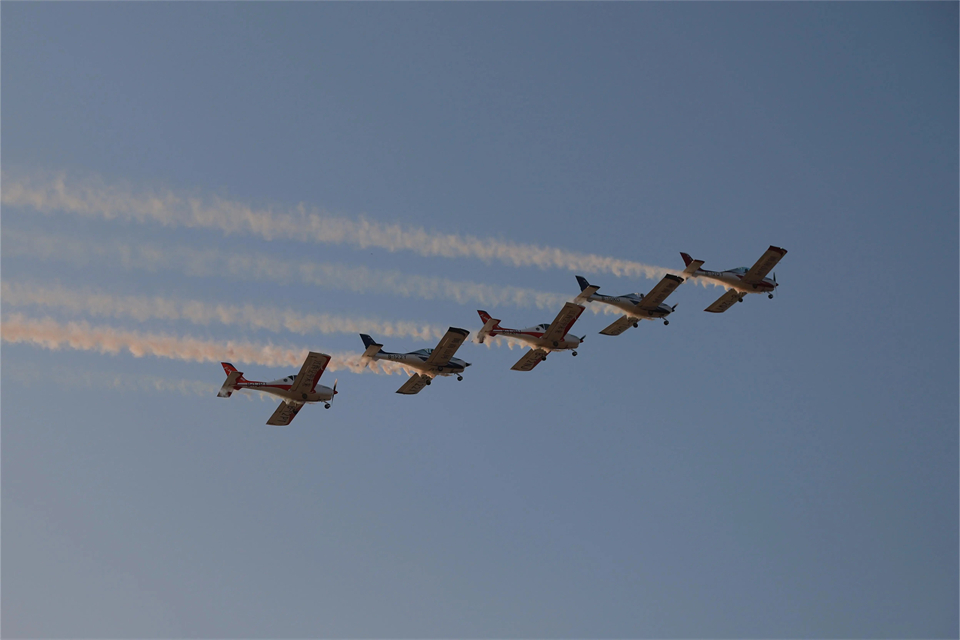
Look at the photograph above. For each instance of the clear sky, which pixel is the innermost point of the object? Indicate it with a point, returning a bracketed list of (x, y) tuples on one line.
[(786, 469)]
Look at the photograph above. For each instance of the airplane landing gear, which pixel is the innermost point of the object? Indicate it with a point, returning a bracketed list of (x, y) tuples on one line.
[(740, 300), (556, 344), (574, 353), (459, 378), (666, 322), (428, 381), (636, 324), (770, 295), (326, 405)]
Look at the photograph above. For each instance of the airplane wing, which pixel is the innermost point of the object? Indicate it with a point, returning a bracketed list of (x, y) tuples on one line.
[(764, 265), (414, 385), (529, 360), (724, 302), (619, 326), (284, 414), (448, 346), (310, 372), (659, 293), (562, 323)]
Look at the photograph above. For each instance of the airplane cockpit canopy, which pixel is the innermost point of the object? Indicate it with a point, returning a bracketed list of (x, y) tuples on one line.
[(423, 352), (740, 270)]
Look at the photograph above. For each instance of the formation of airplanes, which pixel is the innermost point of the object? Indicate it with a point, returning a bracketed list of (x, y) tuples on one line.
[(543, 339)]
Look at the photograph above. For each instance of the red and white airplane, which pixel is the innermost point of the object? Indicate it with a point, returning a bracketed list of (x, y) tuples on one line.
[(296, 391), (543, 338), (739, 281), (636, 305)]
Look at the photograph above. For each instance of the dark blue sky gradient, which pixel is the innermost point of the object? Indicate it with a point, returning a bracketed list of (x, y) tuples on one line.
[(787, 469)]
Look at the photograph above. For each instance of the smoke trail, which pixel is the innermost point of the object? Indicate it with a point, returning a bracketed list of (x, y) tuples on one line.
[(144, 308), (49, 334), (94, 198), (263, 268)]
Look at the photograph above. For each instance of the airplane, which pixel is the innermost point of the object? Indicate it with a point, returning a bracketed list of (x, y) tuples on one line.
[(429, 362), (296, 391), (543, 338), (636, 305), (739, 281)]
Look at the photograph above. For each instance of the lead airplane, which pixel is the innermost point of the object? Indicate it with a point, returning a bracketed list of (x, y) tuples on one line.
[(296, 391), (739, 281), (543, 338), (636, 305), (429, 362)]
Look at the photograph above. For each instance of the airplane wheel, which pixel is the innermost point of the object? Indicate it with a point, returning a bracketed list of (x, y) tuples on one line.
[(459, 378), (439, 368), (304, 396), (636, 324), (326, 406), (770, 295), (666, 322), (556, 344), (429, 381), (740, 300), (574, 354)]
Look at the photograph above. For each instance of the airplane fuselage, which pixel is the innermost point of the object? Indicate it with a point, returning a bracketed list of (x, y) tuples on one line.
[(734, 280), (534, 337), (628, 304), (419, 362), (281, 388)]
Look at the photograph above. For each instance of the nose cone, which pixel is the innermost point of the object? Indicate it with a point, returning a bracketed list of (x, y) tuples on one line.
[(466, 364)]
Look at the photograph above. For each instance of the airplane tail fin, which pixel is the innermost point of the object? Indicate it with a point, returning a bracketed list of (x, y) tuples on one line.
[(692, 265), (372, 347), (490, 326), (233, 377), (586, 290)]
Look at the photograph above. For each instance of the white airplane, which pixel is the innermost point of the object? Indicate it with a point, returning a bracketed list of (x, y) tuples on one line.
[(739, 281), (429, 362), (543, 338), (636, 305), (296, 391)]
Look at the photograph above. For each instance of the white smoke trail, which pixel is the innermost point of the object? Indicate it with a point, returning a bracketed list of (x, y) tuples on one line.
[(50, 334), (259, 267), (94, 198), (142, 308), (27, 373)]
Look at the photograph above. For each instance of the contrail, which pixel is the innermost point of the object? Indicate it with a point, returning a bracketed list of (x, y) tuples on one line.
[(259, 267), (94, 198), (50, 334), (143, 308)]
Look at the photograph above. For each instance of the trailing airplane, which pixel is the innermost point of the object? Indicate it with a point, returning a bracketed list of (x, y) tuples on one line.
[(636, 305), (739, 281), (296, 391), (429, 362), (543, 338)]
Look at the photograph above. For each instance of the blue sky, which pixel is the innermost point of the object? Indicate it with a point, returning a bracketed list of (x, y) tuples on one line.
[(786, 469)]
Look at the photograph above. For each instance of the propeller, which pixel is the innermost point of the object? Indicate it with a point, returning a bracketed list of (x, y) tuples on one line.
[(326, 405)]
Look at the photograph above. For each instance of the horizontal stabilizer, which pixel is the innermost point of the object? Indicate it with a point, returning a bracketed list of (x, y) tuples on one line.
[(692, 265), (586, 290), (231, 384), (489, 326), (372, 348)]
